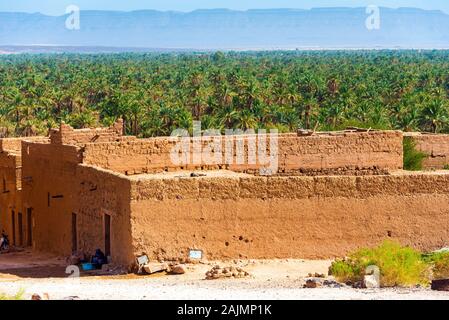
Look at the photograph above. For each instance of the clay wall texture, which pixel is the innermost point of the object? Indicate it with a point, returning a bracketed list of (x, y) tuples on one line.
[(10, 194), (337, 153), (436, 146), (67, 135), (288, 217), (103, 192), (335, 192), (48, 184), (10, 189)]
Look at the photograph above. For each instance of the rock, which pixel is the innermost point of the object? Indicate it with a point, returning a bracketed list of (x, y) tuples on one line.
[(370, 282), (35, 296), (331, 283), (155, 267), (312, 284), (72, 298), (179, 269), (217, 272), (440, 285), (316, 275)]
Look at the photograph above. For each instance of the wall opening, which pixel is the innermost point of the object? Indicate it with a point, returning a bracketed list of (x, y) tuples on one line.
[(74, 234), (30, 227), (13, 225), (107, 235), (20, 222)]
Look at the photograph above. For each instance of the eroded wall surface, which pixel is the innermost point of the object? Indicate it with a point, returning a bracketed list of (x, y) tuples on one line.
[(339, 153), (101, 193), (13, 218), (10, 196), (287, 217), (48, 184), (436, 146), (67, 135)]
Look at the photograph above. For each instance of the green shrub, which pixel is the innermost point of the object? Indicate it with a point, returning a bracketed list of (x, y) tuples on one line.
[(399, 266), (18, 296), (413, 159), (440, 264)]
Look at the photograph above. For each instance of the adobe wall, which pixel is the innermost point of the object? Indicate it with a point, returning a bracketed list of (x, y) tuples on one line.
[(338, 153), (48, 184), (287, 217), (10, 195), (102, 192), (67, 135), (10, 188), (436, 146), (56, 184)]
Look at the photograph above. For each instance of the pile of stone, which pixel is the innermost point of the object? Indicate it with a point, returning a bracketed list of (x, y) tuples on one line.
[(320, 280), (172, 268), (218, 272)]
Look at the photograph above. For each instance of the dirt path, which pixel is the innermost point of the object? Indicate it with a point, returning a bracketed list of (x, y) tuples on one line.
[(273, 279)]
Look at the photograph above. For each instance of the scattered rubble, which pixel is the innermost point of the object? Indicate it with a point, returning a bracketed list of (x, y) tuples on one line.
[(151, 268), (312, 284), (178, 269), (316, 275), (218, 272), (319, 280), (37, 297)]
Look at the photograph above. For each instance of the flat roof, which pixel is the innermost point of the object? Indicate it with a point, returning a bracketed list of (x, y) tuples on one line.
[(188, 175), (231, 174)]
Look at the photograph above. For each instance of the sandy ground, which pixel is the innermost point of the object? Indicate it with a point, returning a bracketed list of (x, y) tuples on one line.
[(273, 279)]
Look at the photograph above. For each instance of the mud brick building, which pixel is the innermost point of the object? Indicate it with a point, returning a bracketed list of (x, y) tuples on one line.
[(79, 190)]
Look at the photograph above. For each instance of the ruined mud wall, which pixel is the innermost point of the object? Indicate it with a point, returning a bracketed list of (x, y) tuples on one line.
[(101, 192), (288, 217), (339, 153), (48, 184), (15, 144), (67, 135), (436, 146)]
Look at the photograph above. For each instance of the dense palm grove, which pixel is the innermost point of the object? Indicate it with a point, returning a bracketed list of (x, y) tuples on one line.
[(156, 93)]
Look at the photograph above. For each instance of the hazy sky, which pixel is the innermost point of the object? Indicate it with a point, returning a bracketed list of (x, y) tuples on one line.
[(57, 7)]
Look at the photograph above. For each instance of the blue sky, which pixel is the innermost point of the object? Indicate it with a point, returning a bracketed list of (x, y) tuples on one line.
[(57, 7)]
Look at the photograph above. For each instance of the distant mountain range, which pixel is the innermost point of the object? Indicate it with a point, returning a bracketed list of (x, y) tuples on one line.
[(325, 28)]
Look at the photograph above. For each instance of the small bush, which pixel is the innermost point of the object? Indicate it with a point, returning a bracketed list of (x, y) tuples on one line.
[(18, 296), (399, 266), (440, 264), (413, 159)]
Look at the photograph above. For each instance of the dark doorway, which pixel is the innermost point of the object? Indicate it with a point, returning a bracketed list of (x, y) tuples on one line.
[(74, 234), (19, 216), (107, 235), (13, 225), (30, 227)]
